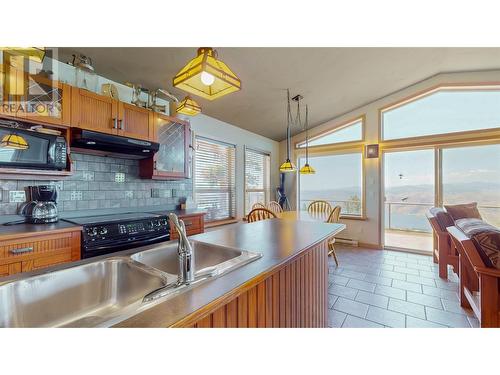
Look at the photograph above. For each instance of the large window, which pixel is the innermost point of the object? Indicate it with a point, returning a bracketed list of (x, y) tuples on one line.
[(214, 178), (349, 132), (257, 178), (338, 180), (442, 112), (472, 174)]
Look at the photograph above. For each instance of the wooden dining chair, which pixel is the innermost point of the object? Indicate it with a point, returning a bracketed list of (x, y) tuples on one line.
[(274, 207), (319, 207), (258, 214), (333, 218), (258, 205)]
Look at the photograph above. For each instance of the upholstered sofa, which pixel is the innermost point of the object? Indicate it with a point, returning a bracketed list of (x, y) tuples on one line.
[(478, 246)]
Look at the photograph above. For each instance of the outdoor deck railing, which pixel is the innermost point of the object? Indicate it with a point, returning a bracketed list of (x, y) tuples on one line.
[(405, 221)]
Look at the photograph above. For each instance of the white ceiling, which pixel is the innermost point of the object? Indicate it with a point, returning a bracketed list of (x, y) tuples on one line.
[(333, 81)]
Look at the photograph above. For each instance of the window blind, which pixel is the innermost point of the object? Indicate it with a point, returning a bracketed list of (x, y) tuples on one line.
[(257, 178), (214, 178)]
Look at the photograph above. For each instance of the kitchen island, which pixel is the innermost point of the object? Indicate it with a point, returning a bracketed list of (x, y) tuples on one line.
[(286, 287), (272, 273)]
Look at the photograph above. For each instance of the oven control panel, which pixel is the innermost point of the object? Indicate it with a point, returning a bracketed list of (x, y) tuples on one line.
[(125, 231)]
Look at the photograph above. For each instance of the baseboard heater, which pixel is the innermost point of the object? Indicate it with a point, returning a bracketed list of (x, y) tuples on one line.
[(346, 241)]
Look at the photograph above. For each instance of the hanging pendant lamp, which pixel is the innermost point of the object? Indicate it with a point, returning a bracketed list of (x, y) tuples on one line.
[(207, 76), (188, 107), (307, 169), (288, 166), (14, 141)]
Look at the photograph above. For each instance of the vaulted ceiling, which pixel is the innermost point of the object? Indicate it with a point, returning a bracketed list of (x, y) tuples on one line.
[(333, 81)]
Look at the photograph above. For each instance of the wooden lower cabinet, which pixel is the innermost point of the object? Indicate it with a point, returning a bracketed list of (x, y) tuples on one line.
[(31, 252), (294, 296), (195, 224)]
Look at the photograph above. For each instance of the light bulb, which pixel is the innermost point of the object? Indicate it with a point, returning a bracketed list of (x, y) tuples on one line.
[(207, 78)]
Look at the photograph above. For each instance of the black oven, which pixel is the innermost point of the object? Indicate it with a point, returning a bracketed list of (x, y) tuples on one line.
[(44, 151)]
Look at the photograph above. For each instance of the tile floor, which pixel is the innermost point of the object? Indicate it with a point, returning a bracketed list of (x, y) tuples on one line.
[(382, 288)]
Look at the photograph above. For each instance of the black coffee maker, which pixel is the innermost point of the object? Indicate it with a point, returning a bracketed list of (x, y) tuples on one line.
[(41, 207)]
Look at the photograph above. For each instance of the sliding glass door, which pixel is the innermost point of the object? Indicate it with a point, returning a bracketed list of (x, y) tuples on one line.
[(416, 180), (409, 182), (472, 174)]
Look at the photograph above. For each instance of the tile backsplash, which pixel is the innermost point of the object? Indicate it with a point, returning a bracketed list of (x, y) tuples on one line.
[(103, 182)]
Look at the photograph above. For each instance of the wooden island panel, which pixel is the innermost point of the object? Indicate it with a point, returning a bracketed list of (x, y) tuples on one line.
[(294, 295)]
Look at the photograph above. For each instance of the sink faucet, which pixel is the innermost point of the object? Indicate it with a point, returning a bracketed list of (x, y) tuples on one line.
[(184, 251)]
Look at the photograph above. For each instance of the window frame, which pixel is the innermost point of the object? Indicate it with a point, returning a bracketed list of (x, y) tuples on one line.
[(333, 129), (467, 135), (341, 151), (235, 198), (267, 194)]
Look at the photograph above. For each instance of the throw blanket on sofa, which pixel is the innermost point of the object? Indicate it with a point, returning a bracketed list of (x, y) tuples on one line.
[(485, 237)]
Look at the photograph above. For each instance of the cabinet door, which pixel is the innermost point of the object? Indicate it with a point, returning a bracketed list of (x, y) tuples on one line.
[(94, 112), (47, 101), (172, 160), (135, 122)]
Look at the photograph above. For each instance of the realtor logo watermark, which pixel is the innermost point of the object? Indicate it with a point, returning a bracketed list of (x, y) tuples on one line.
[(27, 84)]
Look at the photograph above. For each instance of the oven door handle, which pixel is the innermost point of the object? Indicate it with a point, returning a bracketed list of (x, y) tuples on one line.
[(142, 241)]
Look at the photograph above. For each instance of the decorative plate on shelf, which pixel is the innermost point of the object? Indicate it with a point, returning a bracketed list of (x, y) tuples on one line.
[(108, 89)]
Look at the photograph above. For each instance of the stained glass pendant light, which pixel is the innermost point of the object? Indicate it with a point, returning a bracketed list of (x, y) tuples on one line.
[(288, 166), (188, 107), (33, 53), (307, 169), (14, 141), (207, 76)]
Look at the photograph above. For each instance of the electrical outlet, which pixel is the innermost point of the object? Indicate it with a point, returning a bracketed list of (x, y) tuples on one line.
[(119, 177), (88, 176), (76, 195), (129, 194), (17, 196)]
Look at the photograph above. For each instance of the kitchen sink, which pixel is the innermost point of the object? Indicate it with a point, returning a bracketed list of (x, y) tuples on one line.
[(107, 291), (86, 295), (206, 257)]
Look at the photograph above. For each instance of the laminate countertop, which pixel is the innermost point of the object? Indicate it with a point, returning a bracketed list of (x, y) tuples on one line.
[(20, 230), (15, 231), (277, 240)]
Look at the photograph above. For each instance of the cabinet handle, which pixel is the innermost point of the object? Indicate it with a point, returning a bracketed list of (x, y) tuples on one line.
[(115, 123), (22, 250), (122, 124), (188, 223)]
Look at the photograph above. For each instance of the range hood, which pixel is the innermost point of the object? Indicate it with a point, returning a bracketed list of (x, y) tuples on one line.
[(87, 141)]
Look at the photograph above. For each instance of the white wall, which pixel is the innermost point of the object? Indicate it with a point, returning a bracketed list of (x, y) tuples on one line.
[(222, 131), (369, 231)]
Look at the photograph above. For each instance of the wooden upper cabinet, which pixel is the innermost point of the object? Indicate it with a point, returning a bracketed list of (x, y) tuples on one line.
[(44, 101), (135, 122), (173, 160), (94, 112)]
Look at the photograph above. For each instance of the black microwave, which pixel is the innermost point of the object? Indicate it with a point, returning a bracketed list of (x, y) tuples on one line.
[(44, 151)]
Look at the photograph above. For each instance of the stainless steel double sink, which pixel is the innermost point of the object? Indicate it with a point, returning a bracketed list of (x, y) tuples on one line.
[(110, 290)]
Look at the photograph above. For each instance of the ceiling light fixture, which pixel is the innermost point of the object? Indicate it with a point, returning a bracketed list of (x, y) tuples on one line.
[(288, 166), (14, 141), (33, 53), (188, 107), (307, 169), (207, 76)]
